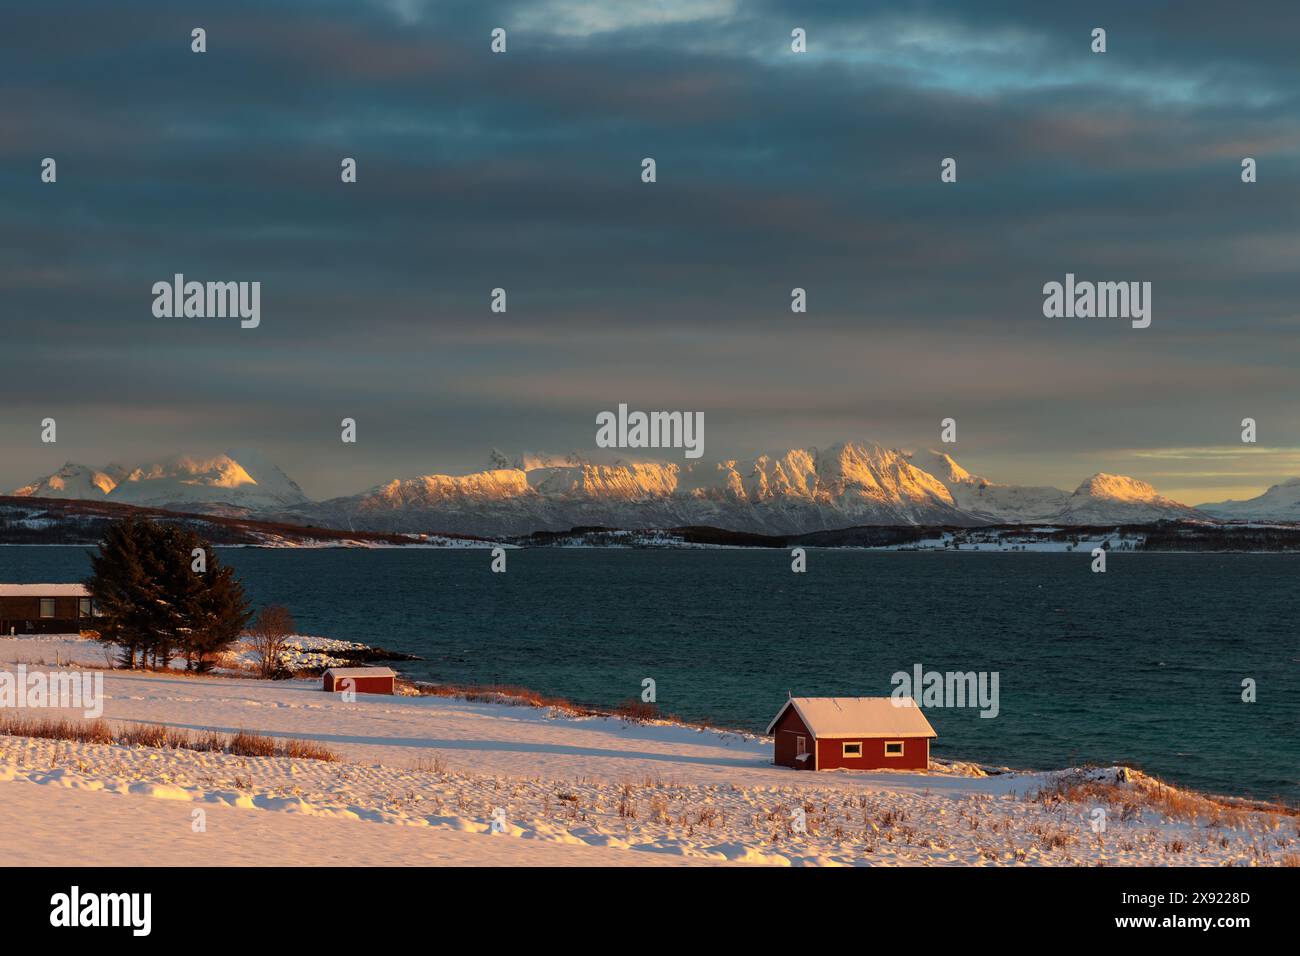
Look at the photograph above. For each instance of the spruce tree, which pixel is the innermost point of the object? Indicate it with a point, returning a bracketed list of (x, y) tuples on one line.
[(151, 600), (119, 587)]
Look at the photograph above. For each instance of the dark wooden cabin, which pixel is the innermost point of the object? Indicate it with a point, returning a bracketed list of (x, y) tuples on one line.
[(44, 608)]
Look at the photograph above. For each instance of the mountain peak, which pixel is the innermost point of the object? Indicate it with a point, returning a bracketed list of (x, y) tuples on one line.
[(942, 466), (250, 481), (242, 479), (1117, 488), (1280, 503), (71, 481), (1105, 498)]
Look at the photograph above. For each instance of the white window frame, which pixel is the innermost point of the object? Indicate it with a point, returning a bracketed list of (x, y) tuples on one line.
[(900, 744), (50, 602), (845, 745), (800, 745)]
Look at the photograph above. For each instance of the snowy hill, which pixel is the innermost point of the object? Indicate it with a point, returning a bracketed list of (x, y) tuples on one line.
[(1107, 498), (241, 481), (74, 481), (185, 482), (999, 504), (1280, 503)]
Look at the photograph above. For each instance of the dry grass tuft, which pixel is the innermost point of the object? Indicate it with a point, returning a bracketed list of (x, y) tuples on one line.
[(86, 732), (637, 711), (153, 735), (1143, 793)]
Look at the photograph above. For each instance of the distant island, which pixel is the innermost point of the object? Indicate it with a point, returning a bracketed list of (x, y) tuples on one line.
[(62, 521)]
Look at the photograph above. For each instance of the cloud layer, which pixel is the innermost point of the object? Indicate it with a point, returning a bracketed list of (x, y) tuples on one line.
[(775, 170)]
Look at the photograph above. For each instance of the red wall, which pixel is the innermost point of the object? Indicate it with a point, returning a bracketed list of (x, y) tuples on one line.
[(916, 755), (785, 733), (362, 685)]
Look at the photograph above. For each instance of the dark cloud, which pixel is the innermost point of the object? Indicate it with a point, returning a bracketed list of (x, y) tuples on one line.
[(522, 171)]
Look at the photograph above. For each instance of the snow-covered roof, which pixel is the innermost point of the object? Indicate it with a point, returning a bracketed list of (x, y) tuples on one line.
[(863, 717), (43, 590), (361, 672)]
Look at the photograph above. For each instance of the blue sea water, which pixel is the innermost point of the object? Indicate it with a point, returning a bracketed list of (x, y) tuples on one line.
[(1144, 663)]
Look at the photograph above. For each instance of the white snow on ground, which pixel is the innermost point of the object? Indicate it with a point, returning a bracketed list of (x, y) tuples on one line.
[(425, 767), (998, 539), (56, 649), (300, 652), (128, 831)]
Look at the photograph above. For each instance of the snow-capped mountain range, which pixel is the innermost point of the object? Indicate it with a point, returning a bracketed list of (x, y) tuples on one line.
[(238, 481), (793, 492), (1280, 503)]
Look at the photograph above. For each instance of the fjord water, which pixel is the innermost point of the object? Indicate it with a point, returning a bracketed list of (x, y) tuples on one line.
[(1143, 664)]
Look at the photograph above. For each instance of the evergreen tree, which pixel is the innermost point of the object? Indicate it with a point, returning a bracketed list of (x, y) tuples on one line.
[(216, 614), (122, 592), (152, 602)]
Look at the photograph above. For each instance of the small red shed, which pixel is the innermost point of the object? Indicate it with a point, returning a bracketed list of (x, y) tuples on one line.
[(363, 680), (853, 733)]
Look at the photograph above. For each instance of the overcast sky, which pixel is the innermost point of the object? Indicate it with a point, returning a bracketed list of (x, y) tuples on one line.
[(775, 170)]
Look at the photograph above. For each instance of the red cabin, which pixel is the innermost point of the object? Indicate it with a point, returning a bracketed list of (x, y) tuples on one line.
[(851, 733), (363, 680)]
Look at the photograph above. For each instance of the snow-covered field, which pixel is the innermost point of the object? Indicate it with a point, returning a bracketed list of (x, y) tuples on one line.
[(420, 780)]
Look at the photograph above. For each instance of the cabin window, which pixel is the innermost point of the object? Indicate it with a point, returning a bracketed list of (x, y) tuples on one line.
[(893, 748), (47, 607), (83, 607), (800, 745), (853, 749)]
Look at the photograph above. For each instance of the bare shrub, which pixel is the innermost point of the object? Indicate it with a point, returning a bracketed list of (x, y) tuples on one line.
[(659, 810), (143, 735), (87, 732), (637, 711), (627, 803), (306, 750), (268, 635), (244, 744), (434, 764), (208, 742)]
